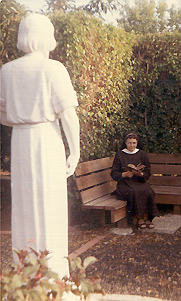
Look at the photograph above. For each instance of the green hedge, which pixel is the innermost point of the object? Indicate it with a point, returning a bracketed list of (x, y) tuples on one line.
[(98, 58), (155, 92), (123, 81), (11, 14)]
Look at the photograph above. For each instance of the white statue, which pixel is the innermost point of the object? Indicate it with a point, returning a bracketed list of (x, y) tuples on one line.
[(36, 92)]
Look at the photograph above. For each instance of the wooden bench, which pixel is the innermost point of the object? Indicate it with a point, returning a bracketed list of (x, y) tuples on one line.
[(166, 179), (95, 185)]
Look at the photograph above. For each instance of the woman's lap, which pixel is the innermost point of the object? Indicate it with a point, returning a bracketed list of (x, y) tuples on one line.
[(139, 198)]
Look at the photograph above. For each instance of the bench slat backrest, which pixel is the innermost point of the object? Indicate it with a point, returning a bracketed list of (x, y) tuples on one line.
[(97, 191), (165, 169), (93, 166), (164, 158), (93, 177), (165, 180)]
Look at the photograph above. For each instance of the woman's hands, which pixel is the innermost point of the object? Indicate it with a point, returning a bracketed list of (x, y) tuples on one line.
[(138, 173), (127, 174), (130, 174)]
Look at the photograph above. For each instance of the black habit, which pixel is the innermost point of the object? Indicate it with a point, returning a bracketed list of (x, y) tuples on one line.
[(135, 191)]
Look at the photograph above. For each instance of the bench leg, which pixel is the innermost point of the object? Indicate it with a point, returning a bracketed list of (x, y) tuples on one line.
[(177, 209), (99, 217), (122, 223), (102, 218), (116, 215)]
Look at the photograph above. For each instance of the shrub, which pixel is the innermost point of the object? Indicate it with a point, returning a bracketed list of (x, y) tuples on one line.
[(155, 93), (97, 57), (31, 279)]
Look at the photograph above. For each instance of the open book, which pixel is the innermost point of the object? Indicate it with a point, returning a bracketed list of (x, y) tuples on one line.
[(139, 167)]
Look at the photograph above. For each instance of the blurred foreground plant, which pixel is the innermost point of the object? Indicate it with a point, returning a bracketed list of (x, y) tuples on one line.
[(32, 280)]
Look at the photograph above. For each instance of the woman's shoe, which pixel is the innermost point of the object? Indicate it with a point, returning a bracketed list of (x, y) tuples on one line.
[(149, 224), (141, 224)]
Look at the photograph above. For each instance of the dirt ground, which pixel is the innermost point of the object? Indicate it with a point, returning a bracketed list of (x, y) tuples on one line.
[(146, 264)]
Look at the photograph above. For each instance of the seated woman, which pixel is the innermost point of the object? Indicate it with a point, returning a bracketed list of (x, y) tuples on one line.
[(132, 185)]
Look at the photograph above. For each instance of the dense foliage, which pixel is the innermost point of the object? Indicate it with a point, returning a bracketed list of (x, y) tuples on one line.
[(60, 5), (146, 17), (123, 81), (97, 7), (11, 14), (155, 94), (98, 58)]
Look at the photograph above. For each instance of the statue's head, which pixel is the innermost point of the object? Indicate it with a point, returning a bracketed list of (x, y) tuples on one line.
[(36, 33)]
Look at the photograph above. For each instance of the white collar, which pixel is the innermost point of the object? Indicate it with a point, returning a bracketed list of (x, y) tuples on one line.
[(125, 150)]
